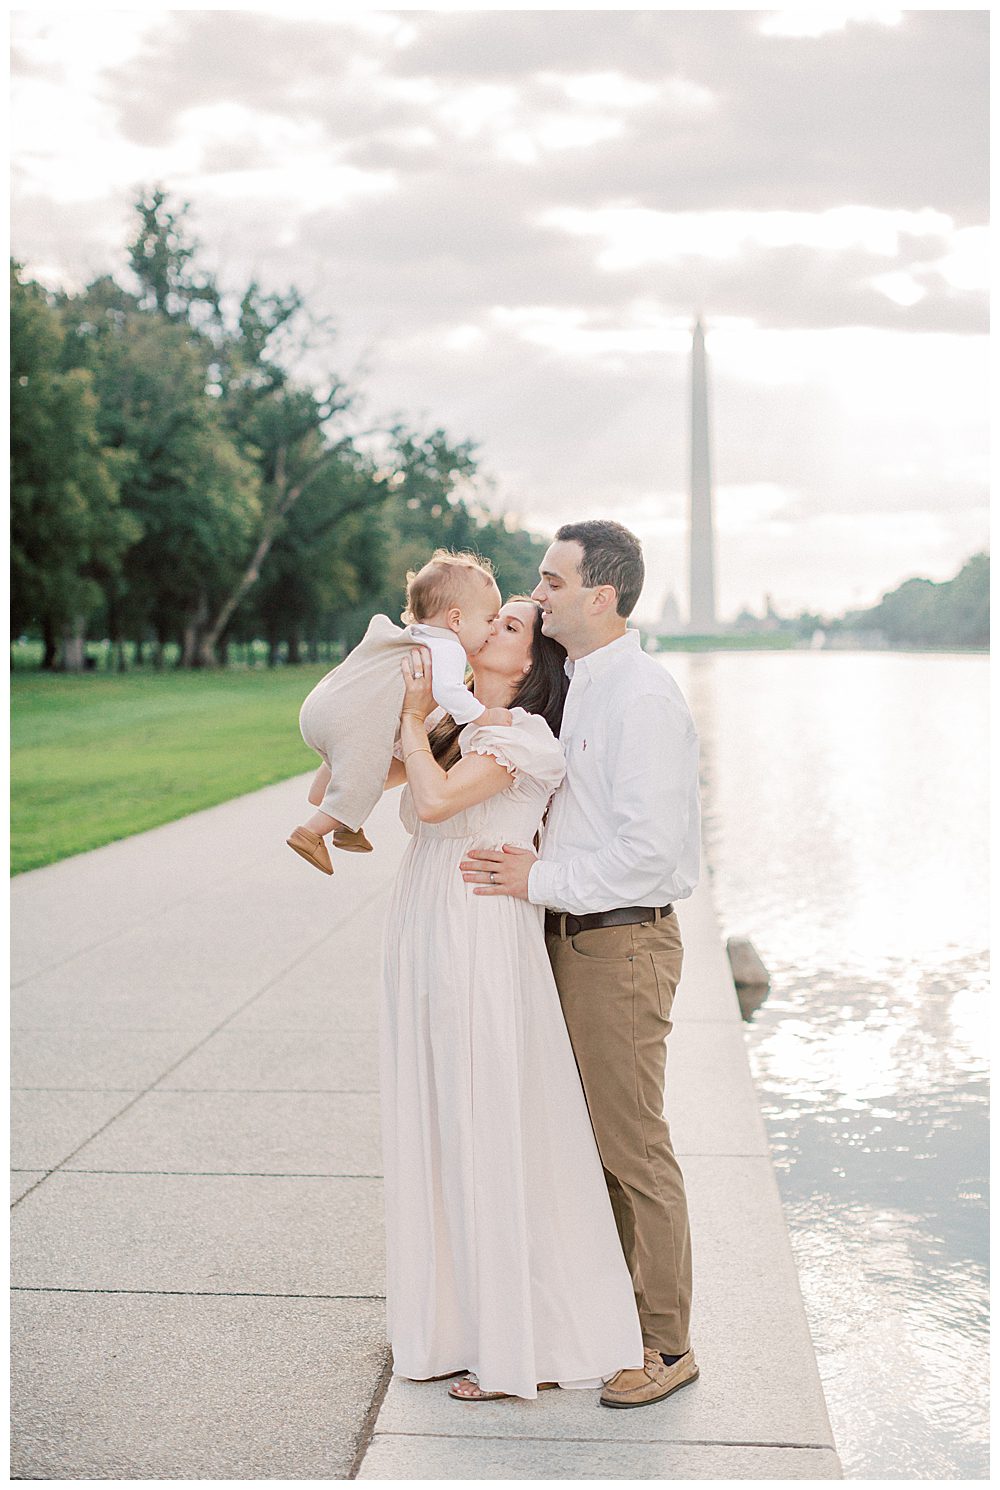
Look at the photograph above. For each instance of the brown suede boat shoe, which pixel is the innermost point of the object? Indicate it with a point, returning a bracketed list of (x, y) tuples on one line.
[(353, 840), (311, 846), (654, 1382)]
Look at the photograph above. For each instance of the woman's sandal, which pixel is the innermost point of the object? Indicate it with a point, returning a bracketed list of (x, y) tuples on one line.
[(422, 1380), (480, 1396)]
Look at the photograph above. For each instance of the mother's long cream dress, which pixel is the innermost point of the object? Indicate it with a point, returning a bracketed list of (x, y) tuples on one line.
[(503, 1256)]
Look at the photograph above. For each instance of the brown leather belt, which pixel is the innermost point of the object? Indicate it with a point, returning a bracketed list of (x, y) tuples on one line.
[(562, 923)]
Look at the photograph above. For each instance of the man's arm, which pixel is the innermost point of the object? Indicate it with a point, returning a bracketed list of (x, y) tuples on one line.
[(653, 769)]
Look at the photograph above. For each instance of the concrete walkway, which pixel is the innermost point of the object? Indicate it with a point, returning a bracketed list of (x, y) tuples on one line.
[(197, 1233)]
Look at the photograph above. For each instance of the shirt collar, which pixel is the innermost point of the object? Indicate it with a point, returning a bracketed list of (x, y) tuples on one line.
[(597, 663)]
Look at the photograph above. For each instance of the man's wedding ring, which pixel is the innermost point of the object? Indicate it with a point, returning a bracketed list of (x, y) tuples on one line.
[(493, 878)]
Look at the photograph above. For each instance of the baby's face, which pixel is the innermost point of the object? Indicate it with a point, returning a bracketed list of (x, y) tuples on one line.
[(478, 614)]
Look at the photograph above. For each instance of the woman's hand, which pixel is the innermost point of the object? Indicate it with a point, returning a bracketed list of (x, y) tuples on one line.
[(417, 695)]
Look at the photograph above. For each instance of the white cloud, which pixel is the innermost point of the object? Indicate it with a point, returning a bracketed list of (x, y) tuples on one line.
[(637, 236), (807, 21), (966, 265), (900, 287), (611, 90)]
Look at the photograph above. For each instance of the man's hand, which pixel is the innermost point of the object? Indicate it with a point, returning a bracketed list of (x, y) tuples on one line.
[(499, 872)]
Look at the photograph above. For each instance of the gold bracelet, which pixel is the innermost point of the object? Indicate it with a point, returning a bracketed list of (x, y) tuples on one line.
[(419, 750), (412, 714)]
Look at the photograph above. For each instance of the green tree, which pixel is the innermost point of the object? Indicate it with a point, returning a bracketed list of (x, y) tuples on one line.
[(193, 494), (68, 530), (924, 613), (162, 258), (323, 560), (283, 428)]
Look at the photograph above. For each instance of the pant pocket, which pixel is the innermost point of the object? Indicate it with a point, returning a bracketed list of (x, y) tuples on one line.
[(667, 972)]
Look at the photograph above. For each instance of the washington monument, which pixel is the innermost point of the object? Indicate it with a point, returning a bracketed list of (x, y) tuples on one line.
[(701, 617)]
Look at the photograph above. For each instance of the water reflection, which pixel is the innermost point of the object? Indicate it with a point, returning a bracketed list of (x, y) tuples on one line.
[(846, 812)]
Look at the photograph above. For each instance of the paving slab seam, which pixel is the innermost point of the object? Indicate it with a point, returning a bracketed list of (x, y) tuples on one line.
[(259, 993), (103, 1089), (367, 1430), (222, 1174), (704, 1443), (215, 1091), (200, 1293)]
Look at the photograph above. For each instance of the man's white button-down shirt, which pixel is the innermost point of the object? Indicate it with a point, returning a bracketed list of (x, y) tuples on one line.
[(624, 828)]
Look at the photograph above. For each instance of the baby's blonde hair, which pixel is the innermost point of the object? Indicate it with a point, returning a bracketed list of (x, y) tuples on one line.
[(443, 581)]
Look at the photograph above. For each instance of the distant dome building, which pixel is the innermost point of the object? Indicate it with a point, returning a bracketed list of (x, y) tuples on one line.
[(670, 622)]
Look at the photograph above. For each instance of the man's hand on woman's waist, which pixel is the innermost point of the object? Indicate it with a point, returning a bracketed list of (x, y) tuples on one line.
[(498, 871)]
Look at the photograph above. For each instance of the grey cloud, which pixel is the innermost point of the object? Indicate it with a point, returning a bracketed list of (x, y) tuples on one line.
[(896, 116), (212, 56), (23, 66), (456, 245), (893, 116)]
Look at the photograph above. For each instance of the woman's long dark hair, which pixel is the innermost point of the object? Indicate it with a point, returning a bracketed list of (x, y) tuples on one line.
[(542, 691)]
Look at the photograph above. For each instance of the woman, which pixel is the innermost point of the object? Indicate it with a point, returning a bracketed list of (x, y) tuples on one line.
[(503, 1256)]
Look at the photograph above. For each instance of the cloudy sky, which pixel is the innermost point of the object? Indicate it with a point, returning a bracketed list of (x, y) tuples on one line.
[(513, 217)]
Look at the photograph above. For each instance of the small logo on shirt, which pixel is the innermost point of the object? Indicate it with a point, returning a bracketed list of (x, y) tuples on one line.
[(584, 745)]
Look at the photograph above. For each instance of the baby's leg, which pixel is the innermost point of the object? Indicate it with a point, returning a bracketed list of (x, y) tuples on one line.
[(307, 838), (320, 783), (322, 822)]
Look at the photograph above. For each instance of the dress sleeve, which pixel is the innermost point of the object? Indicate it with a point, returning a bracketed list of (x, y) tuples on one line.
[(527, 747)]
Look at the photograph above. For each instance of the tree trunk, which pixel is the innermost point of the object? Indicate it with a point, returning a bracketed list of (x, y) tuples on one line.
[(294, 648), (50, 646), (282, 500), (74, 645), (192, 647)]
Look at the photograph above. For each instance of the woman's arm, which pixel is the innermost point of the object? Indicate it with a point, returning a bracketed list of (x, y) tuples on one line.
[(396, 776), (439, 794)]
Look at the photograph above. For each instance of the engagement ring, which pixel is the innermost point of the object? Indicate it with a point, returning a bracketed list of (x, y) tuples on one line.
[(493, 878)]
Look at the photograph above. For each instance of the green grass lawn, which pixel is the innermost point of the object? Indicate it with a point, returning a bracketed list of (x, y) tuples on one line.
[(101, 756)]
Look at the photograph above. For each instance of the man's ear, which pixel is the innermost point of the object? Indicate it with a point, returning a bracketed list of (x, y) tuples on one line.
[(604, 599)]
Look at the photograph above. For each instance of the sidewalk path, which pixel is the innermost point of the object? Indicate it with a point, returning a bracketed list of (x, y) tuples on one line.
[(197, 1235)]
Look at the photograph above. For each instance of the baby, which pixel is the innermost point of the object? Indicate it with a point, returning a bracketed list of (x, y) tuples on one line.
[(351, 718)]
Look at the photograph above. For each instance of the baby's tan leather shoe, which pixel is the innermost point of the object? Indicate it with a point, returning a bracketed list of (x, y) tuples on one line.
[(352, 840), (312, 848)]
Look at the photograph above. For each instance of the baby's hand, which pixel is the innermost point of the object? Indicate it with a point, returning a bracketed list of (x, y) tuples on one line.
[(496, 716)]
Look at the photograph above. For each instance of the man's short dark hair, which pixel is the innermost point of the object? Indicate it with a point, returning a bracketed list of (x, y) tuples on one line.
[(611, 556)]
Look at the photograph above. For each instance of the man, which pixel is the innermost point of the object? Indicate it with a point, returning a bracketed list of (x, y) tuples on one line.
[(621, 845)]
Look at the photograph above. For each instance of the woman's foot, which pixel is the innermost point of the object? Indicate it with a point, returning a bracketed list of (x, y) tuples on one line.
[(469, 1390)]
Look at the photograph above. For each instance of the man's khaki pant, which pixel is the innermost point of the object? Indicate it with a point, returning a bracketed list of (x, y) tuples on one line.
[(617, 987)]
